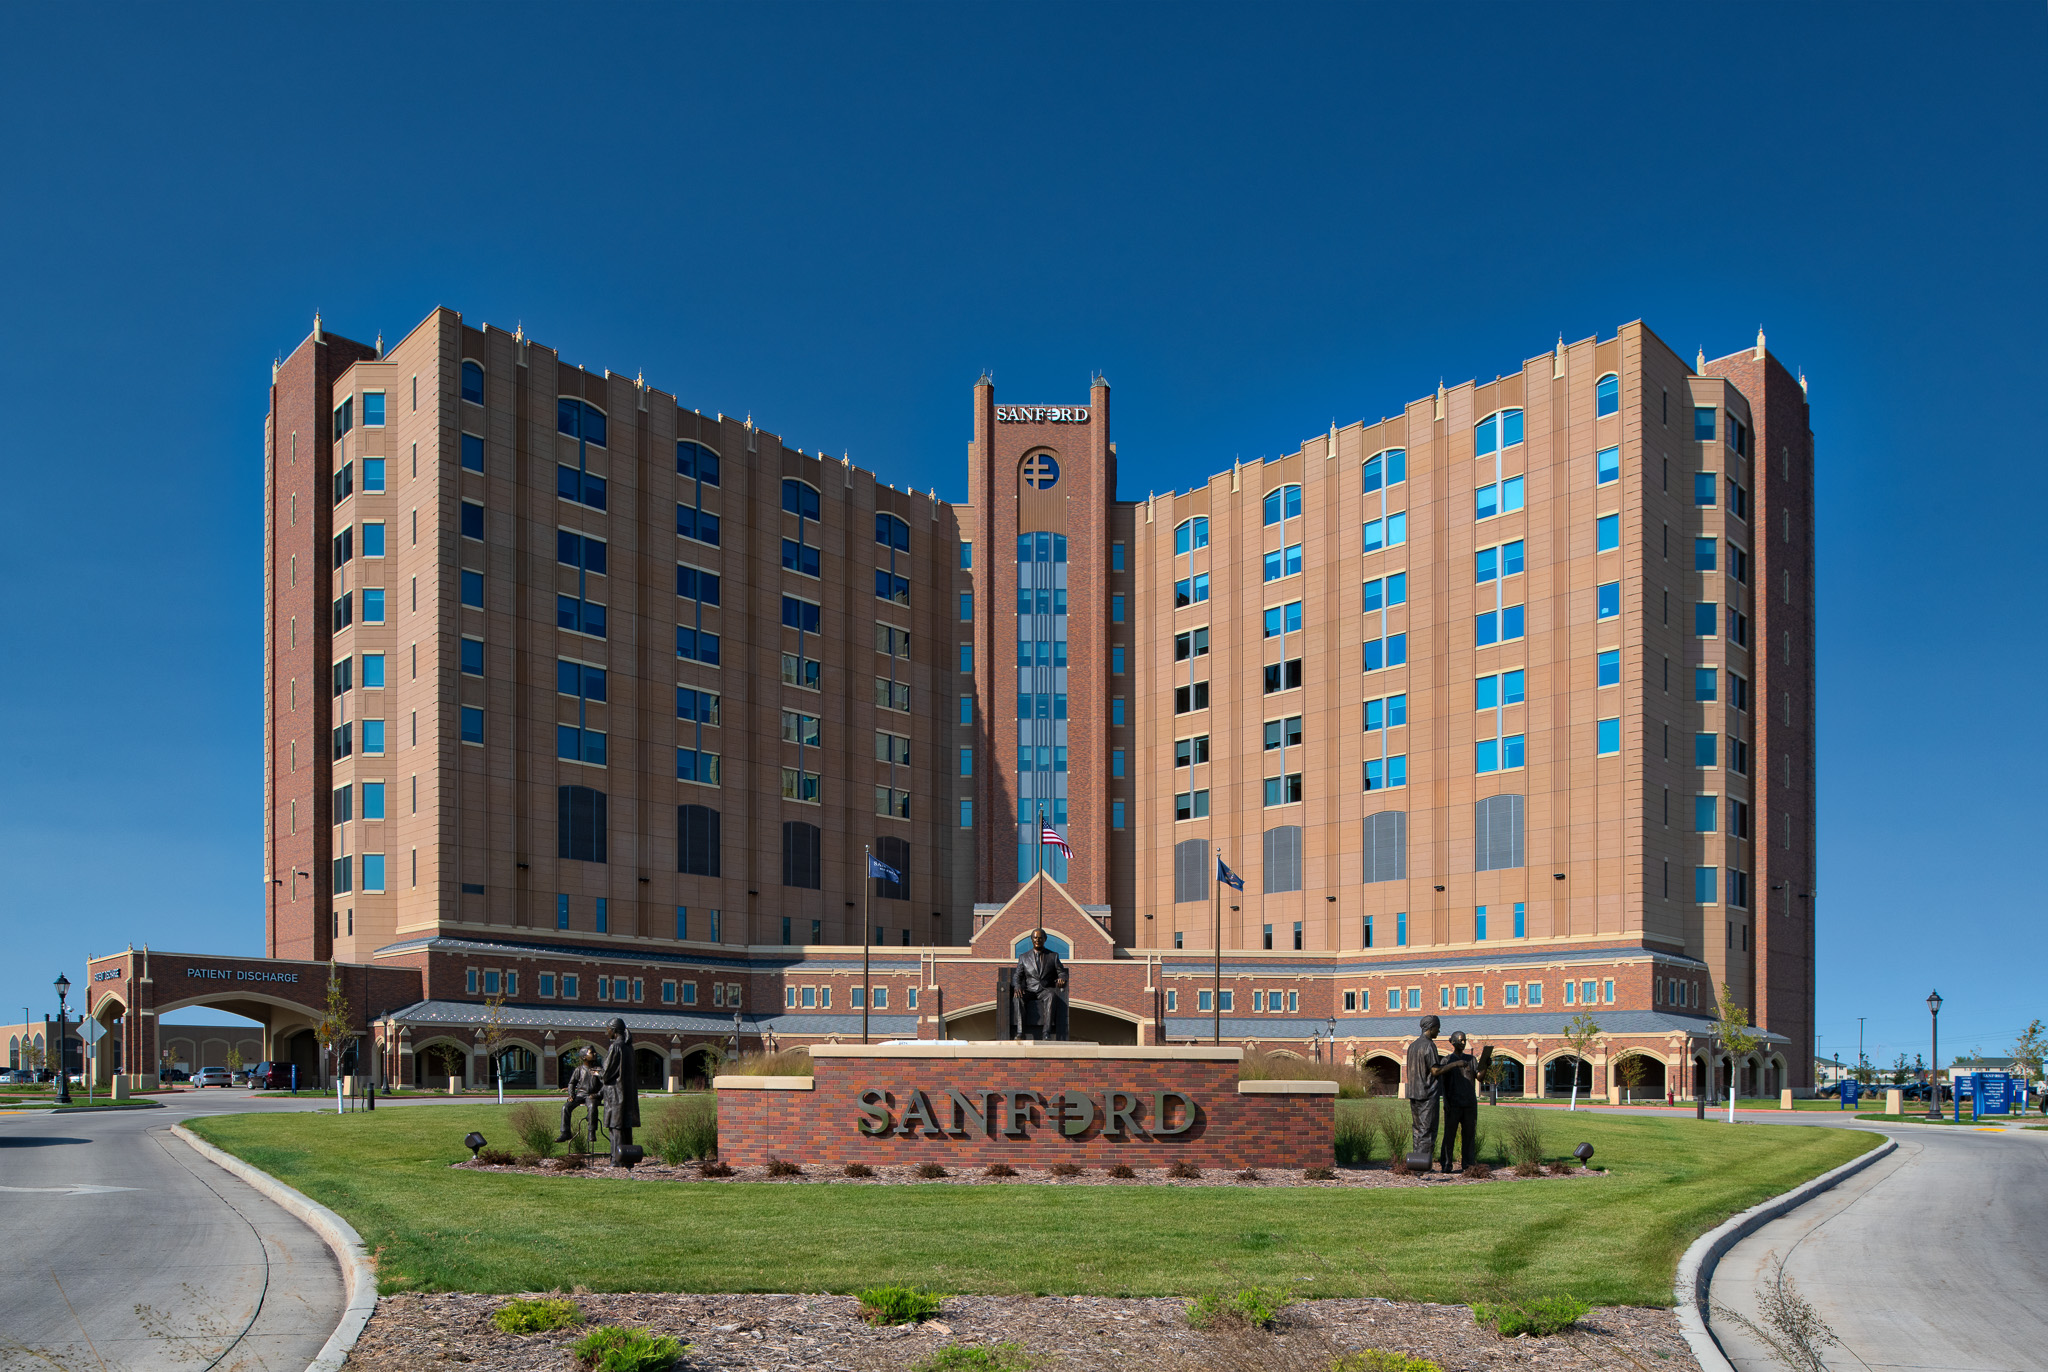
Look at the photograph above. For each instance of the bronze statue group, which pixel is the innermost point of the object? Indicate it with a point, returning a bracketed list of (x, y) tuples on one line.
[(609, 1091), (1442, 1089)]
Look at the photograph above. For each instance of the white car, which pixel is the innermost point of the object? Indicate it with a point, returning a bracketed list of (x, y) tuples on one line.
[(213, 1076)]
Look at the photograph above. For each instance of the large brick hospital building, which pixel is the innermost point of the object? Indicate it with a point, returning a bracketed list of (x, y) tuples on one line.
[(575, 695)]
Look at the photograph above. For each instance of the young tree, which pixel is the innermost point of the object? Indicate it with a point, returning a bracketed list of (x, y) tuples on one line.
[(2028, 1052), (333, 1027), (234, 1060), (1900, 1069), (493, 1038), (1582, 1033), (1633, 1067), (1738, 1038)]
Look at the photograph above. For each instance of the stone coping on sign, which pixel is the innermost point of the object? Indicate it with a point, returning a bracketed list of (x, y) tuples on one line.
[(1032, 1049), (1287, 1088), (763, 1083)]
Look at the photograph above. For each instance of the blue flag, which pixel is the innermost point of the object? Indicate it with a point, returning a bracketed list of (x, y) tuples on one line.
[(879, 868), (1228, 877)]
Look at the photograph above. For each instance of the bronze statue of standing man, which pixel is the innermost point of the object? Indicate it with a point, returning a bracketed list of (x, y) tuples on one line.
[(1423, 1090), (621, 1095), (1041, 976)]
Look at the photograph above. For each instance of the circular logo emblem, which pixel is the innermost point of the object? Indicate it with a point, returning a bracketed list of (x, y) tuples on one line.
[(1041, 470)]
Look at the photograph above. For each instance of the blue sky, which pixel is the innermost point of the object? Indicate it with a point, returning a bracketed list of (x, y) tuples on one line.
[(1253, 220)]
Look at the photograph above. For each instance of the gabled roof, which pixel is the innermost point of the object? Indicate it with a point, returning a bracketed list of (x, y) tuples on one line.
[(1064, 916)]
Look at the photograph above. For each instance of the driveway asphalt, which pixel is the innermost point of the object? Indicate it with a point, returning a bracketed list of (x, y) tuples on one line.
[(122, 1249)]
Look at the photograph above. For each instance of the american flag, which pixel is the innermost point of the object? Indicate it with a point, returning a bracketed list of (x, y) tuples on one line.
[(1048, 834)]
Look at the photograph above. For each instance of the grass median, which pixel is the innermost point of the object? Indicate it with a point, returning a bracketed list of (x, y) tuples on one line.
[(1612, 1240)]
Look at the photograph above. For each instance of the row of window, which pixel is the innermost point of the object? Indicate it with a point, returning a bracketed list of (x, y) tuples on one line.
[(820, 997)]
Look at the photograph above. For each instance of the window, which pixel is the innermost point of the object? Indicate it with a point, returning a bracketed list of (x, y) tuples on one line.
[(1116, 607), (889, 695), (1283, 676), (1283, 790), (1116, 557), (1116, 708), (1490, 564), (696, 461), (696, 841), (344, 418), (1497, 833), (472, 453), (798, 557), (1191, 805), (1738, 567), (472, 724), (1608, 737), (692, 645), (800, 728), (579, 487), (694, 523), (1116, 814), (801, 785), (373, 605), (1281, 562), (1705, 489), (967, 762), (1496, 432), (575, 744), (1702, 423), (1191, 534), (1607, 395), (802, 860), (1280, 733), (893, 748), (373, 539), (1384, 592), (1191, 591), (581, 823), (1390, 651), (1703, 550), (472, 383), (1521, 931), (472, 520), (1502, 497), (579, 616), (1610, 668), (1389, 468), (579, 420), (1706, 812), (1283, 502), (893, 852), (802, 615), (892, 532), (1498, 626), (1116, 762), (1706, 619), (373, 800), (1497, 754), (1607, 466), (1705, 683), (1193, 643), (1511, 994), (967, 657), (1706, 750), (373, 474), (1502, 688), (1608, 602), (1190, 698), (1388, 712), (343, 675), (892, 588), (1385, 774), (1187, 752), (1116, 659), (342, 809), (1706, 884), (1607, 533), (1390, 532)]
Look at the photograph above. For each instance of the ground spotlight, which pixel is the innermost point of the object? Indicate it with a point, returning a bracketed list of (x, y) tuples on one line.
[(474, 1142), (1584, 1153)]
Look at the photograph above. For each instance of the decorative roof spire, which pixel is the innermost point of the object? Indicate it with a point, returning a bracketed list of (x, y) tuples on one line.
[(1759, 342), (379, 345), (640, 379), (1699, 362), (519, 332), (1802, 381), (316, 326)]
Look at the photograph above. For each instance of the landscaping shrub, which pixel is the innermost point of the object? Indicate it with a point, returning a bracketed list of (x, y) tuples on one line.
[(1391, 1121), (1528, 1169), (931, 1171), (1355, 1134), (1184, 1171), (1561, 1169), (1253, 1307), (783, 1167), (790, 1062), (1478, 1171), (858, 1169), (1318, 1174), (1399, 1166), (1065, 1169), (685, 1129), (495, 1157), (989, 1357), (897, 1305), (1121, 1171), (568, 1162), (1380, 1360), (1263, 1066), (1544, 1315), (1522, 1138), (536, 1316), (533, 1128), (712, 1167), (999, 1169), (531, 1159), (608, 1348), (1248, 1174), (579, 1136)]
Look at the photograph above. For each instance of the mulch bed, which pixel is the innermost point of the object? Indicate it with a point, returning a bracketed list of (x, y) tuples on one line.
[(1376, 1174), (771, 1333)]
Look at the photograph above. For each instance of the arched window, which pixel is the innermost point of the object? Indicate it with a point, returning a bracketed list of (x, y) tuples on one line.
[(696, 460), (802, 855), (1389, 468), (1283, 859), (696, 838), (1191, 534), (1190, 870), (894, 852), (1607, 395), (1052, 941), (800, 498), (579, 419), (1386, 846), (581, 823), (472, 383), (1496, 433), (1283, 502), (892, 532), (1497, 834)]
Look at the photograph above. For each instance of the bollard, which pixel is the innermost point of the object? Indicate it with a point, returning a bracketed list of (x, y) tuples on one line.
[(1895, 1102), (455, 1086), (1785, 1099), (370, 1097)]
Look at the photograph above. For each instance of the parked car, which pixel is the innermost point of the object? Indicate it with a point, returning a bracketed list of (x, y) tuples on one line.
[(270, 1076), (173, 1074), (18, 1076), (241, 1076), (214, 1076)]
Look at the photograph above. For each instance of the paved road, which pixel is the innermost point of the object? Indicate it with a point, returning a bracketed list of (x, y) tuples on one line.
[(183, 1266)]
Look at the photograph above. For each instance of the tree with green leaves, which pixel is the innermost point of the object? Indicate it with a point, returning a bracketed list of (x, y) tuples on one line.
[(234, 1060), (1633, 1068), (333, 1028), (2028, 1052), (493, 1036), (1582, 1034), (1900, 1070), (1738, 1037)]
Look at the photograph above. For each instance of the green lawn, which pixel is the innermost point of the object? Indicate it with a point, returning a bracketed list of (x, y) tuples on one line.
[(1612, 1240)]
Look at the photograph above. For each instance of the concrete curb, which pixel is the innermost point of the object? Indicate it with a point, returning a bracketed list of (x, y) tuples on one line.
[(336, 1231), (1696, 1268)]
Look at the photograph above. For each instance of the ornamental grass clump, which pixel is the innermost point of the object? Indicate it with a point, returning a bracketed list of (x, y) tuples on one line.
[(685, 1130), (1318, 1174), (1381, 1360), (1065, 1169), (898, 1305), (530, 1123), (1121, 1171), (790, 1062), (568, 1162), (931, 1171), (1521, 1137), (1354, 1138), (857, 1169), (712, 1167), (495, 1157), (1250, 1307), (1248, 1174), (1390, 1122), (1262, 1066), (1184, 1171), (610, 1348), (999, 1169), (1543, 1315), (536, 1316), (968, 1357), (783, 1167)]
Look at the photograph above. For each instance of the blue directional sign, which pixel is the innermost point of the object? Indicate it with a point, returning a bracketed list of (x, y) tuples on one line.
[(1991, 1093)]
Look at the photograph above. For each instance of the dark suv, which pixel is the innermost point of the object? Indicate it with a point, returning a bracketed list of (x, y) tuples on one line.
[(269, 1076)]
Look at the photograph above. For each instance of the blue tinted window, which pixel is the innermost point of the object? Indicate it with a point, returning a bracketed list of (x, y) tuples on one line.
[(472, 657), (967, 657), (1116, 712), (1703, 551), (1706, 682), (1706, 750), (696, 460), (967, 762), (373, 540), (1510, 428), (1486, 756), (801, 615), (1704, 491), (472, 519), (892, 532), (1702, 423), (1610, 667), (1609, 736), (373, 670), (1607, 533), (373, 473), (1511, 687), (1486, 436), (1609, 604), (1705, 886), (1705, 618), (472, 724), (1705, 814), (472, 453), (1485, 564), (373, 408), (473, 382), (799, 499), (1607, 395), (1486, 693), (473, 589), (1608, 463)]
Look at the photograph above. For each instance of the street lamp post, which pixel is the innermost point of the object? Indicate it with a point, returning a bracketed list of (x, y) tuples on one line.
[(1934, 1055), (63, 1074)]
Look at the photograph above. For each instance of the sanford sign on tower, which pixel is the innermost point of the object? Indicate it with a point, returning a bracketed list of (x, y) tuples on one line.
[(1041, 414)]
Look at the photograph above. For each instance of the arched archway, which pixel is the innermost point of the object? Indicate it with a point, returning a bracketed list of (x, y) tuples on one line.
[(1382, 1075), (1648, 1083), (518, 1066), (700, 1065), (1509, 1076), (1559, 1072), (436, 1060), (650, 1068)]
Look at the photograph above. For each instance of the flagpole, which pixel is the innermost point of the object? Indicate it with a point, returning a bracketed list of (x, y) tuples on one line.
[(1038, 814), (1216, 992), (867, 894)]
